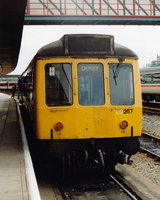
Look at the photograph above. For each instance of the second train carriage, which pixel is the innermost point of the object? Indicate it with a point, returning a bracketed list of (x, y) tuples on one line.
[(150, 83), (83, 94), (6, 86)]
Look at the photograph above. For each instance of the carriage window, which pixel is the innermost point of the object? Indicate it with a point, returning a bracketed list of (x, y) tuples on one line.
[(58, 84), (121, 84), (147, 78), (91, 84), (156, 78)]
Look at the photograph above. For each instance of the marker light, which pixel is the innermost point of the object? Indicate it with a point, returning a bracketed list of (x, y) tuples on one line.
[(58, 126), (124, 124)]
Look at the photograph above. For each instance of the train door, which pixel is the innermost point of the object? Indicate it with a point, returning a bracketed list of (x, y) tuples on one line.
[(91, 84)]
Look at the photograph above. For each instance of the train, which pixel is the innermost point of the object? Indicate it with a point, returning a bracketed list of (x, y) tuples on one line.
[(150, 83), (6, 86), (83, 95)]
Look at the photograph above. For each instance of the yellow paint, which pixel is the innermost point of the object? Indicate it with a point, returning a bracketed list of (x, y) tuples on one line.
[(82, 122)]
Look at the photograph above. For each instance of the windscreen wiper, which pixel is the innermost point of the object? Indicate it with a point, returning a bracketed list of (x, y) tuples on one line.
[(116, 72)]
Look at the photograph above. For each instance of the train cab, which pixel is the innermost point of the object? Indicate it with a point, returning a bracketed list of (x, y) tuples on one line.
[(83, 92)]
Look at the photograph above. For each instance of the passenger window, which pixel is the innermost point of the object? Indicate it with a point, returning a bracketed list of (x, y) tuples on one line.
[(90, 84), (156, 78), (147, 78), (58, 81)]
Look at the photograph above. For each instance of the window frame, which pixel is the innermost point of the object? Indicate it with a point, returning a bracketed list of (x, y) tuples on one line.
[(112, 100), (70, 82), (90, 102)]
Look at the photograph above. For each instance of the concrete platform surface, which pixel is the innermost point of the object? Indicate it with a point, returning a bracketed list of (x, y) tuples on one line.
[(12, 169)]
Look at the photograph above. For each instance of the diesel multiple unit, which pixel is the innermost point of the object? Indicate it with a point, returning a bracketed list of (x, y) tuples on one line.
[(83, 94)]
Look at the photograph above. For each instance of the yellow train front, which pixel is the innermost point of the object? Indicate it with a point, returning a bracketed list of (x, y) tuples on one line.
[(83, 93)]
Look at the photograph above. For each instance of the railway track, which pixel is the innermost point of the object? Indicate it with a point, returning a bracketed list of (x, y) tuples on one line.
[(152, 137), (151, 110), (150, 144), (95, 188), (124, 189)]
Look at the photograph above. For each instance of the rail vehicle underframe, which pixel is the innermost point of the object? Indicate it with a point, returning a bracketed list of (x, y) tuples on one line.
[(151, 97), (101, 153), (96, 154)]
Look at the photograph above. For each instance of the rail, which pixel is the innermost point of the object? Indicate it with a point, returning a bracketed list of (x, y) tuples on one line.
[(153, 111), (150, 145), (133, 197)]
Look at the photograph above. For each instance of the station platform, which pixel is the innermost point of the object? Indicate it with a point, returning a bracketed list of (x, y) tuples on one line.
[(13, 184)]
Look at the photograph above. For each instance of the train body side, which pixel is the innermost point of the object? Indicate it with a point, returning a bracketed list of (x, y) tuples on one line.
[(150, 83)]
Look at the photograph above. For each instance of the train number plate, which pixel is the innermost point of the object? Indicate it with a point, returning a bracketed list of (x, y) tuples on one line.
[(124, 111)]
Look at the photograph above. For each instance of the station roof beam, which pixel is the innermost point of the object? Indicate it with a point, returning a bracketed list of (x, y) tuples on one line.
[(91, 12)]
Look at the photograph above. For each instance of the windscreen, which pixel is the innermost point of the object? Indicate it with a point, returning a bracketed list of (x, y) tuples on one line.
[(58, 80), (121, 84)]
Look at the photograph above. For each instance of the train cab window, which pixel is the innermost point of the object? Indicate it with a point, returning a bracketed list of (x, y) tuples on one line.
[(58, 81), (121, 84), (90, 84)]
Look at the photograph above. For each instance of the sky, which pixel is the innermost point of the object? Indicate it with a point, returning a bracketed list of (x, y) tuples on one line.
[(143, 40)]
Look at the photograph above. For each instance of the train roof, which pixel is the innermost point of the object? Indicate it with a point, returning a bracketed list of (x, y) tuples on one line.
[(86, 45), (150, 70)]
